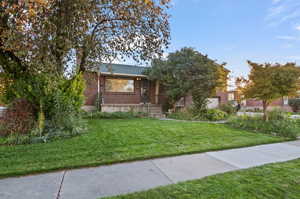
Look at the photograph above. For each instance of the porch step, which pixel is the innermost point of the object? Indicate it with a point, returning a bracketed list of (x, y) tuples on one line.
[(157, 115), (155, 111)]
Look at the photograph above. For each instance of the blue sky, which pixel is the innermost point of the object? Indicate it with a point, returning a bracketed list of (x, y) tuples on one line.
[(234, 31)]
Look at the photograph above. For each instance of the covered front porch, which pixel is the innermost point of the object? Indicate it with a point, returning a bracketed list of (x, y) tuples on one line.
[(126, 89)]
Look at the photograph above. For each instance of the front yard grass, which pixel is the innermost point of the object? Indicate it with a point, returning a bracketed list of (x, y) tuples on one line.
[(276, 181), (112, 141)]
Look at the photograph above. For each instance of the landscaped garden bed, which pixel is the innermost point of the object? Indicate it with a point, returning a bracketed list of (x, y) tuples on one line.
[(276, 181), (111, 141), (279, 123)]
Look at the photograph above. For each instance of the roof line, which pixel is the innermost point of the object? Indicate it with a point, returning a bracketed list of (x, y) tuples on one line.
[(126, 65), (122, 74)]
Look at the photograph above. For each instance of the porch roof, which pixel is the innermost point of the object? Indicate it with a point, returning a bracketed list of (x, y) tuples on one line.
[(122, 69)]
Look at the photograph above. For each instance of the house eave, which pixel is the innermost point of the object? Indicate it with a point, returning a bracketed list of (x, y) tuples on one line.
[(122, 74)]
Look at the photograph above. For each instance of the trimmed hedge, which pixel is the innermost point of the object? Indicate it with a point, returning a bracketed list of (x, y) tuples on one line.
[(114, 115), (208, 115)]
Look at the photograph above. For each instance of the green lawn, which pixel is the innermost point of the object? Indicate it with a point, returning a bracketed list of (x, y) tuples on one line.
[(274, 181), (111, 141)]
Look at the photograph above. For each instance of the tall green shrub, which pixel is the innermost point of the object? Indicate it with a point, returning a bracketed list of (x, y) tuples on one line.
[(295, 104), (56, 101), (229, 108)]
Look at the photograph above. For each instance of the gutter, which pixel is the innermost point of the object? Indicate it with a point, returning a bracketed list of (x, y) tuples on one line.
[(123, 74)]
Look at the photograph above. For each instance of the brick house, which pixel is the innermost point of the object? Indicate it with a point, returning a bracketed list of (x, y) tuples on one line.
[(282, 103), (251, 104), (124, 87)]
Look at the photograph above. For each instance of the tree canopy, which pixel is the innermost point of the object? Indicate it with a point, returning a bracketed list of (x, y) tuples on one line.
[(46, 45), (51, 35), (267, 82), (188, 72)]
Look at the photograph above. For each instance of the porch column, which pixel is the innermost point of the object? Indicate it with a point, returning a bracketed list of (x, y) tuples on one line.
[(157, 91)]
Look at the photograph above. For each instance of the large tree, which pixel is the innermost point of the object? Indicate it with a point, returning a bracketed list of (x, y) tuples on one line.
[(267, 82), (53, 35), (46, 45), (187, 72)]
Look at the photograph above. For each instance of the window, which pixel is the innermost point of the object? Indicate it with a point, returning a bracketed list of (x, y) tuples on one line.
[(119, 85), (230, 96), (285, 100), (298, 95)]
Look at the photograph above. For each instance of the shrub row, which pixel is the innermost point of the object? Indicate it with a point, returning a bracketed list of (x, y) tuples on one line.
[(114, 115), (279, 127), (208, 115)]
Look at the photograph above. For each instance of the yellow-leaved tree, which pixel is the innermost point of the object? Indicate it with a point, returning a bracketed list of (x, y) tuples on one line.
[(268, 82)]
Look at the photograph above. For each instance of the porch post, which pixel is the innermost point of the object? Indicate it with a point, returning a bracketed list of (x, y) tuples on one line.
[(157, 91), (99, 101)]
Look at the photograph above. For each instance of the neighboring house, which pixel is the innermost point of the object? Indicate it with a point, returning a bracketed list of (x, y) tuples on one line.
[(124, 87), (251, 104), (221, 97), (282, 103)]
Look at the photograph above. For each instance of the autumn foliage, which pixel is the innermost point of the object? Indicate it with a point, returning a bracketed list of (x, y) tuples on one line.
[(60, 39), (267, 82), (18, 118)]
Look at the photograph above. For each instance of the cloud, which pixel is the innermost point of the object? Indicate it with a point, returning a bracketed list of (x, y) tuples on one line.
[(294, 58), (276, 1), (297, 27), (288, 45), (289, 38), (283, 11)]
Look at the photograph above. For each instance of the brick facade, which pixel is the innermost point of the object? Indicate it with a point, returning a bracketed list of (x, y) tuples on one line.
[(223, 97), (279, 103), (135, 97), (253, 103)]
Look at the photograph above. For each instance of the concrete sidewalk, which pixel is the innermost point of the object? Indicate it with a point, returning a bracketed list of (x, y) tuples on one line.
[(92, 183)]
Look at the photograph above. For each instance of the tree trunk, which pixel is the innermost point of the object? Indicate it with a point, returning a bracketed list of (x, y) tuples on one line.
[(265, 106), (174, 108), (41, 120)]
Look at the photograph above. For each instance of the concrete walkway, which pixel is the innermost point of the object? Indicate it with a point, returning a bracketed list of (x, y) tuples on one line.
[(92, 183)]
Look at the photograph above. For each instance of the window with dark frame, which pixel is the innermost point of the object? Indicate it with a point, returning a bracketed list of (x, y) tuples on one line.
[(119, 85)]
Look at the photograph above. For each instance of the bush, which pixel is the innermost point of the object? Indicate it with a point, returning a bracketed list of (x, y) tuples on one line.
[(14, 138), (182, 115), (298, 122), (284, 127), (2, 127), (254, 110), (114, 115), (214, 115), (56, 100), (295, 104), (228, 108), (277, 114), (18, 118), (192, 114)]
